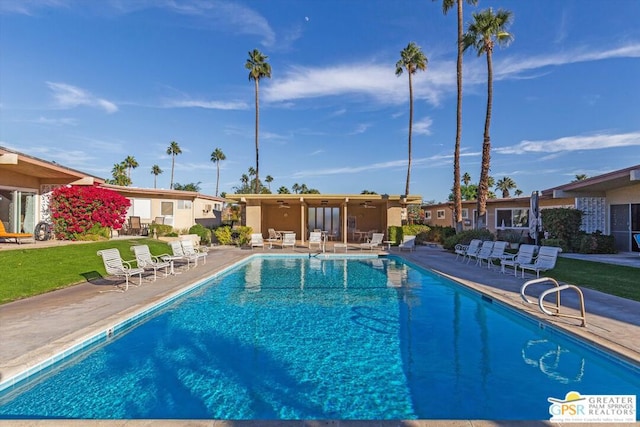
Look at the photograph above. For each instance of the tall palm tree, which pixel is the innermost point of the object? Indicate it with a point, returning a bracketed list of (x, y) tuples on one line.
[(173, 151), (295, 188), (119, 173), (268, 179), (466, 178), (216, 157), (411, 59), (483, 33), (258, 68), (505, 184), (155, 170), (457, 194), (130, 163)]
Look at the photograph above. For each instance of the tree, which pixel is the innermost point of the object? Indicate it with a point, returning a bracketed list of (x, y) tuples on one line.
[(368, 192), (518, 192), (155, 170), (283, 190), (216, 157), (173, 150), (580, 177), (258, 68), (119, 175), (192, 186), (466, 178), (268, 179), (505, 184), (483, 33), (295, 188), (411, 59), (130, 163), (457, 194)]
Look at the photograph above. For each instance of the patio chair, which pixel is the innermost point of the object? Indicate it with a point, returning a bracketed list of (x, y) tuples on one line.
[(151, 262), (116, 266), (274, 237), (315, 239), (463, 250), (408, 243), (16, 236), (256, 240), (373, 242), (497, 252), (289, 239), (637, 237), (178, 254), (135, 226), (159, 220), (190, 250), (545, 260), (484, 252), (524, 256)]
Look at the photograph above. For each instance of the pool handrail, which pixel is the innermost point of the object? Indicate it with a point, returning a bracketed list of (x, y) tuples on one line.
[(557, 288)]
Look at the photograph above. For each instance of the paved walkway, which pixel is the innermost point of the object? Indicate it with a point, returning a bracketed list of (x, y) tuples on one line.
[(35, 329)]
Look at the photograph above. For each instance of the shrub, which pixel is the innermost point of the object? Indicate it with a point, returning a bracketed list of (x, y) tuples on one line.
[(233, 236), (597, 243), (395, 232), (465, 237), (438, 233), (563, 224), (76, 210), (203, 232), (559, 243), (160, 229)]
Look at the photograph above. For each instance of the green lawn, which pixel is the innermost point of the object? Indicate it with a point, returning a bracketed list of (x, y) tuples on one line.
[(28, 272)]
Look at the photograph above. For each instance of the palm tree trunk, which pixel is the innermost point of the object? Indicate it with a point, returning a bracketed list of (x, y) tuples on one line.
[(155, 181), (257, 152), (406, 188), (173, 163), (217, 176), (457, 193), (483, 187)]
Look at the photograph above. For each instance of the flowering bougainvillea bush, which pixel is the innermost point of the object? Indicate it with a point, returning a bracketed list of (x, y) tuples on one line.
[(80, 211)]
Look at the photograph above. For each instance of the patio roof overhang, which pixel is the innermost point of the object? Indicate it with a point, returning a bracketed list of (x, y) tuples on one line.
[(374, 200), (598, 185)]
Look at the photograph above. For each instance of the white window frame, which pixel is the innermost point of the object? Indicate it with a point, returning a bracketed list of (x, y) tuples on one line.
[(441, 214)]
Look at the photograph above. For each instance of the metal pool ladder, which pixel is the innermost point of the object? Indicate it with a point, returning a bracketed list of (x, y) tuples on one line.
[(557, 288)]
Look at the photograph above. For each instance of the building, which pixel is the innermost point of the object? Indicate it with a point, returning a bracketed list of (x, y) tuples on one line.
[(344, 217), (610, 203)]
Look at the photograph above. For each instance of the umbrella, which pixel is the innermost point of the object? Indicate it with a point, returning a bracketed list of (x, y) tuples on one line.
[(535, 223)]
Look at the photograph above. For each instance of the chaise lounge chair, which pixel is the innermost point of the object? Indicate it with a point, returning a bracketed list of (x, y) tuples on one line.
[(116, 266), (190, 250), (315, 239), (178, 254), (289, 239), (149, 262), (465, 250), (524, 256), (274, 237), (374, 242), (257, 241), (16, 236), (545, 260), (496, 253), (483, 253), (408, 243)]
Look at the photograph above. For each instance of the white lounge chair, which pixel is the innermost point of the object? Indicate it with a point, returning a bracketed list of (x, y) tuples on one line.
[(190, 250), (374, 242), (178, 254), (150, 262), (116, 266), (524, 256), (545, 260), (497, 252), (289, 239), (315, 239), (484, 252), (257, 240), (464, 250), (408, 243)]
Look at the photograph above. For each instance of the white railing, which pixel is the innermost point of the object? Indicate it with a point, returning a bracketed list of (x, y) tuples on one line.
[(546, 309)]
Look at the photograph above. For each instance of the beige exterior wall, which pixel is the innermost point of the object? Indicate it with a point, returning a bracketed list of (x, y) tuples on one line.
[(630, 194)]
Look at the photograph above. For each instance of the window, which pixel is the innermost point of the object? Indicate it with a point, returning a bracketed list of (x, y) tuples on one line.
[(440, 213), (141, 208), (427, 215), (166, 208), (184, 204), (465, 213), (512, 218)]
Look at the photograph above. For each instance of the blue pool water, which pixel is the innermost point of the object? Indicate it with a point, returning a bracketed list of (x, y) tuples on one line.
[(299, 338)]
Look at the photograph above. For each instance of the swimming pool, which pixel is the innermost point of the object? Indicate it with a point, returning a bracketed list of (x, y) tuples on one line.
[(312, 338)]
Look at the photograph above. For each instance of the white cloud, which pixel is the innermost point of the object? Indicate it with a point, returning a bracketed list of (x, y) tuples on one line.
[(573, 143), (213, 105), (68, 96), (423, 127)]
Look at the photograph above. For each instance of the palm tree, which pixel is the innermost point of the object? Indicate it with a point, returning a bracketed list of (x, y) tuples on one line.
[(483, 33), (580, 177), (505, 184), (268, 179), (155, 170), (130, 163), (466, 178), (457, 194), (295, 188), (518, 192), (119, 175), (411, 59), (173, 150), (216, 157), (258, 68)]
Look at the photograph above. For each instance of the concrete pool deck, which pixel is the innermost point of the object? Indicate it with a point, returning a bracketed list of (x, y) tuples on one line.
[(34, 329)]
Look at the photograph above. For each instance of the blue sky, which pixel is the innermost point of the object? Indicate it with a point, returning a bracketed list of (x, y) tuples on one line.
[(88, 83)]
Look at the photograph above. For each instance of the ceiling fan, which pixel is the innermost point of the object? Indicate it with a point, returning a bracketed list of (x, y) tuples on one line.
[(283, 204), (367, 205)]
